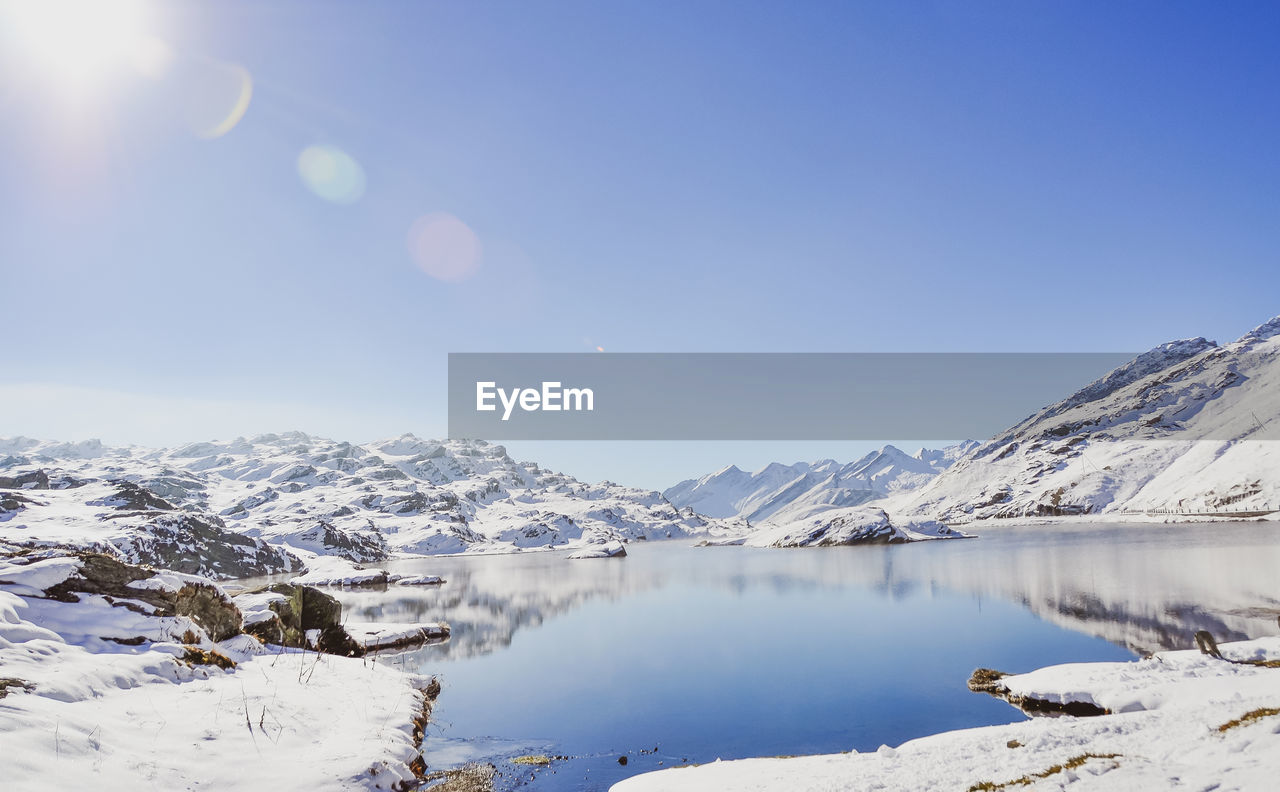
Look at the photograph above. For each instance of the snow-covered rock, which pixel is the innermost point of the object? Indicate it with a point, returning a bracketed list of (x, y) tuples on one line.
[(847, 526), (375, 637), (606, 550), (418, 580)]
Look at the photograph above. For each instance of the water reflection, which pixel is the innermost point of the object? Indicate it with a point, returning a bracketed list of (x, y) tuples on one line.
[(678, 654), (1146, 588)]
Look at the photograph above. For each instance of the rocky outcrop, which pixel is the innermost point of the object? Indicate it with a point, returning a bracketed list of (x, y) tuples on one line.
[(287, 614), (606, 550), (204, 603), (203, 545)]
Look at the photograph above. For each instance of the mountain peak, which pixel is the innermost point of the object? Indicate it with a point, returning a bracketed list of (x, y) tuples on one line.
[(1263, 331)]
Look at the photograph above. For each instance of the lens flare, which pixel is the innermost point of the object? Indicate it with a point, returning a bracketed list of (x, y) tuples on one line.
[(216, 96), (152, 58), (444, 247), (332, 174)]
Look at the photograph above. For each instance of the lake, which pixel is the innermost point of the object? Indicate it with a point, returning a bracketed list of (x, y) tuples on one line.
[(677, 653)]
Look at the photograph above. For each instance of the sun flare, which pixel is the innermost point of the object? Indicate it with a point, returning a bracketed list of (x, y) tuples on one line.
[(79, 41)]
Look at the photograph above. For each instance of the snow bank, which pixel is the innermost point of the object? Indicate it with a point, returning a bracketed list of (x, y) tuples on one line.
[(101, 696), (419, 580), (380, 636), (1184, 721)]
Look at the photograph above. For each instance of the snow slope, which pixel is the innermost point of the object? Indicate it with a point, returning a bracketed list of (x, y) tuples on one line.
[(1189, 427), (278, 500), (785, 493), (1183, 722), (100, 692)]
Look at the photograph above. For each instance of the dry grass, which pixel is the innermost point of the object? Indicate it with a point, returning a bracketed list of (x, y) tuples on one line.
[(197, 656), (1026, 780), (1249, 717)]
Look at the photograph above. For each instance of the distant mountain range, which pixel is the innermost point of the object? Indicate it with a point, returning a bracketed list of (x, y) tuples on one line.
[(1188, 429), (787, 493), (266, 504)]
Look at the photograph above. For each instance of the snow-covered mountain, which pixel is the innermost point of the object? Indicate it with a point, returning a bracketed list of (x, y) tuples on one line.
[(783, 494), (1189, 427), (264, 505)]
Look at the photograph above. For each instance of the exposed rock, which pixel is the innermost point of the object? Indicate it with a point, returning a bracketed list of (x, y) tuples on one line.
[(298, 610), (36, 479), (134, 498), (204, 546), (205, 604), (7, 683)]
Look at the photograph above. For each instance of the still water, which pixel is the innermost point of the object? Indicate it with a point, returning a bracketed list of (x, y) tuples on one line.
[(705, 653)]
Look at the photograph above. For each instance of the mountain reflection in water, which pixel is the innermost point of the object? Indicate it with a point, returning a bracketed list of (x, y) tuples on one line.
[(1143, 587)]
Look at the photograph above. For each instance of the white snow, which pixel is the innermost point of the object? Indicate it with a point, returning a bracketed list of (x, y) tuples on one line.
[(377, 635), (855, 525), (92, 713), (1165, 735), (298, 496), (1188, 429), (786, 493), (419, 580)]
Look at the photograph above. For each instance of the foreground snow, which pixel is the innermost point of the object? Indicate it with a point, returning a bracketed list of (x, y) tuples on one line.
[(1167, 734), (104, 693)]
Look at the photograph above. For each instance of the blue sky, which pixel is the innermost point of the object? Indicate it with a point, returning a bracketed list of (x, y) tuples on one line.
[(640, 176)]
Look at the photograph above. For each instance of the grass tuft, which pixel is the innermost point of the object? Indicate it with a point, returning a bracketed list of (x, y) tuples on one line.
[(197, 656), (1249, 717), (1026, 780)]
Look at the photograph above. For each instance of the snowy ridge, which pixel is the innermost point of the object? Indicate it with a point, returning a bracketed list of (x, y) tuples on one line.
[(1187, 428), (787, 493), (267, 504)]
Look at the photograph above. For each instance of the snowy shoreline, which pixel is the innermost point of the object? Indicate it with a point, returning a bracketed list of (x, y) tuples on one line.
[(113, 675), (1181, 719), (1105, 518)]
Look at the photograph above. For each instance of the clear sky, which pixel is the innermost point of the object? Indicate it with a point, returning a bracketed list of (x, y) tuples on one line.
[(631, 176)]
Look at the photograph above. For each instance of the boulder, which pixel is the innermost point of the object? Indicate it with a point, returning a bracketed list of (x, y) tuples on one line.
[(295, 611)]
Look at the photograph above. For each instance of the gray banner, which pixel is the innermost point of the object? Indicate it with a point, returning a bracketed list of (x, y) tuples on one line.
[(758, 396)]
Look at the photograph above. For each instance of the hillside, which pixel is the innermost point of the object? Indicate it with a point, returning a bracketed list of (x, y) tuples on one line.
[(1189, 428)]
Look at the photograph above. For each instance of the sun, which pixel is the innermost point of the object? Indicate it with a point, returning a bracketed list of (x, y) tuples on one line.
[(77, 41)]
